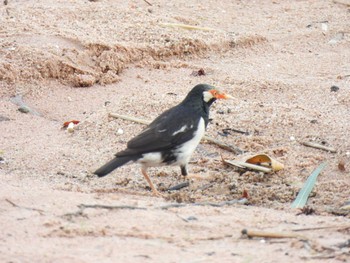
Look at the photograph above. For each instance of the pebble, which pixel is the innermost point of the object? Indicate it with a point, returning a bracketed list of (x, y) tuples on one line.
[(334, 88), (70, 127), (23, 109)]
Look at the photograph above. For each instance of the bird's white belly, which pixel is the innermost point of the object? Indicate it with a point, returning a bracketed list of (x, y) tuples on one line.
[(151, 159), (186, 150), (183, 153)]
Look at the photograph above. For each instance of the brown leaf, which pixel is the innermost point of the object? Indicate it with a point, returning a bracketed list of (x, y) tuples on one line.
[(65, 125), (341, 166)]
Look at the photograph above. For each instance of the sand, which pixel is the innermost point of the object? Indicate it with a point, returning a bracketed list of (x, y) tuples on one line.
[(286, 63)]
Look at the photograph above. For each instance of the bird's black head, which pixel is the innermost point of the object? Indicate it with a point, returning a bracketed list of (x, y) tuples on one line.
[(205, 94)]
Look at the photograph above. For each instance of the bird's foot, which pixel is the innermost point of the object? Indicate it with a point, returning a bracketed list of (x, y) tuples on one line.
[(157, 193)]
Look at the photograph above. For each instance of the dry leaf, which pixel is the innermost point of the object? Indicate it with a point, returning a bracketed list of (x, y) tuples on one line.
[(65, 125), (265, 160), (341, 166)]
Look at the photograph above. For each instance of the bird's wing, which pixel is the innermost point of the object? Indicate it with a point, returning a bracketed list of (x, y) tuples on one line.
[(172, 128)]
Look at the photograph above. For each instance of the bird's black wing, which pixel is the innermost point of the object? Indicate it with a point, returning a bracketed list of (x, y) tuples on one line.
[(172, 128)]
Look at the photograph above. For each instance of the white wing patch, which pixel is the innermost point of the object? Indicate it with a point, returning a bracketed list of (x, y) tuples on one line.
[(183, 128)]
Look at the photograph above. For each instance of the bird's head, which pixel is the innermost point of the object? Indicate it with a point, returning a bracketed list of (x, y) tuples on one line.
[(207, 93)]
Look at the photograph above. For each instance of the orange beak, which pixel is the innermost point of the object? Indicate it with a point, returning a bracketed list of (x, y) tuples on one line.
[(220, 95)]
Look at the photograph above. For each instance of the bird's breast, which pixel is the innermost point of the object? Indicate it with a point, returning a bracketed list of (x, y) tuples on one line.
[(184, 151)]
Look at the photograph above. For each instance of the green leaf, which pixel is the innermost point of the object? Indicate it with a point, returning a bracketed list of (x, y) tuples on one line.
[(304, 193)]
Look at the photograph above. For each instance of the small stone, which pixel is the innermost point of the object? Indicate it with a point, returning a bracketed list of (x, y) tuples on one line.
[(120, 131), (334, 88), (341, 166), (192, 218), (324, 26), (24, 109), (70, 127)]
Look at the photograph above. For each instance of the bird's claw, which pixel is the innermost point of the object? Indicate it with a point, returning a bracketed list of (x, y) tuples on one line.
[(157, 193)]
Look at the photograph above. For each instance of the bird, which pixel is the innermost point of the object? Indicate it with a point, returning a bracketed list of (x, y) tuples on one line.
[(171, 138)]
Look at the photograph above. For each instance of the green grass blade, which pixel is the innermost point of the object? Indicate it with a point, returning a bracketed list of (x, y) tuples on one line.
[(304, 193)]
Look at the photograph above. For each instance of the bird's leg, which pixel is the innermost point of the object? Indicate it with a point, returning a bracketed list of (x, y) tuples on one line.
[(154, 190), (184, 170)]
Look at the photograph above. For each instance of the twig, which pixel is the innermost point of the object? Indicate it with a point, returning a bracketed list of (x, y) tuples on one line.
[(129, 118), (24, 207), (206, 186), (326, 256), (343, 2), (223, 145), (111, 207), (235, 130), (188, 27), (82, 207), (319, 146), (165, 207), (208, 139), (221, 204), (240, 164), (147, 2), (179, 186), (321, 228), (263, 234)]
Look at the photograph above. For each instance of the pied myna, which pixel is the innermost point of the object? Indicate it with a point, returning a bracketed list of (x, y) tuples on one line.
[(172, 137)]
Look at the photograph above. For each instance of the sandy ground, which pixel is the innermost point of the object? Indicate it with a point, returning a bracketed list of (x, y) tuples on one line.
[(81, 60)]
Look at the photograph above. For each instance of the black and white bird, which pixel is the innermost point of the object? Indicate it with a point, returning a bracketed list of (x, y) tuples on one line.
[(172, 137)]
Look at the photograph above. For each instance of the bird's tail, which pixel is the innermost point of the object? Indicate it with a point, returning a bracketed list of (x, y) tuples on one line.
[(111, 165)]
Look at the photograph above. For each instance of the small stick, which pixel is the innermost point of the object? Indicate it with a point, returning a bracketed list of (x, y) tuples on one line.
[(263, 234), (223, 145), (147, 2), (319, 146), (208, 139), (240, 164), (235, 130), (111, 207), (82, 207), (206, 186), (24, 207), (188, 27), (179, 186), (321, 228), (129, 118), (221, 204), (344, 2)]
